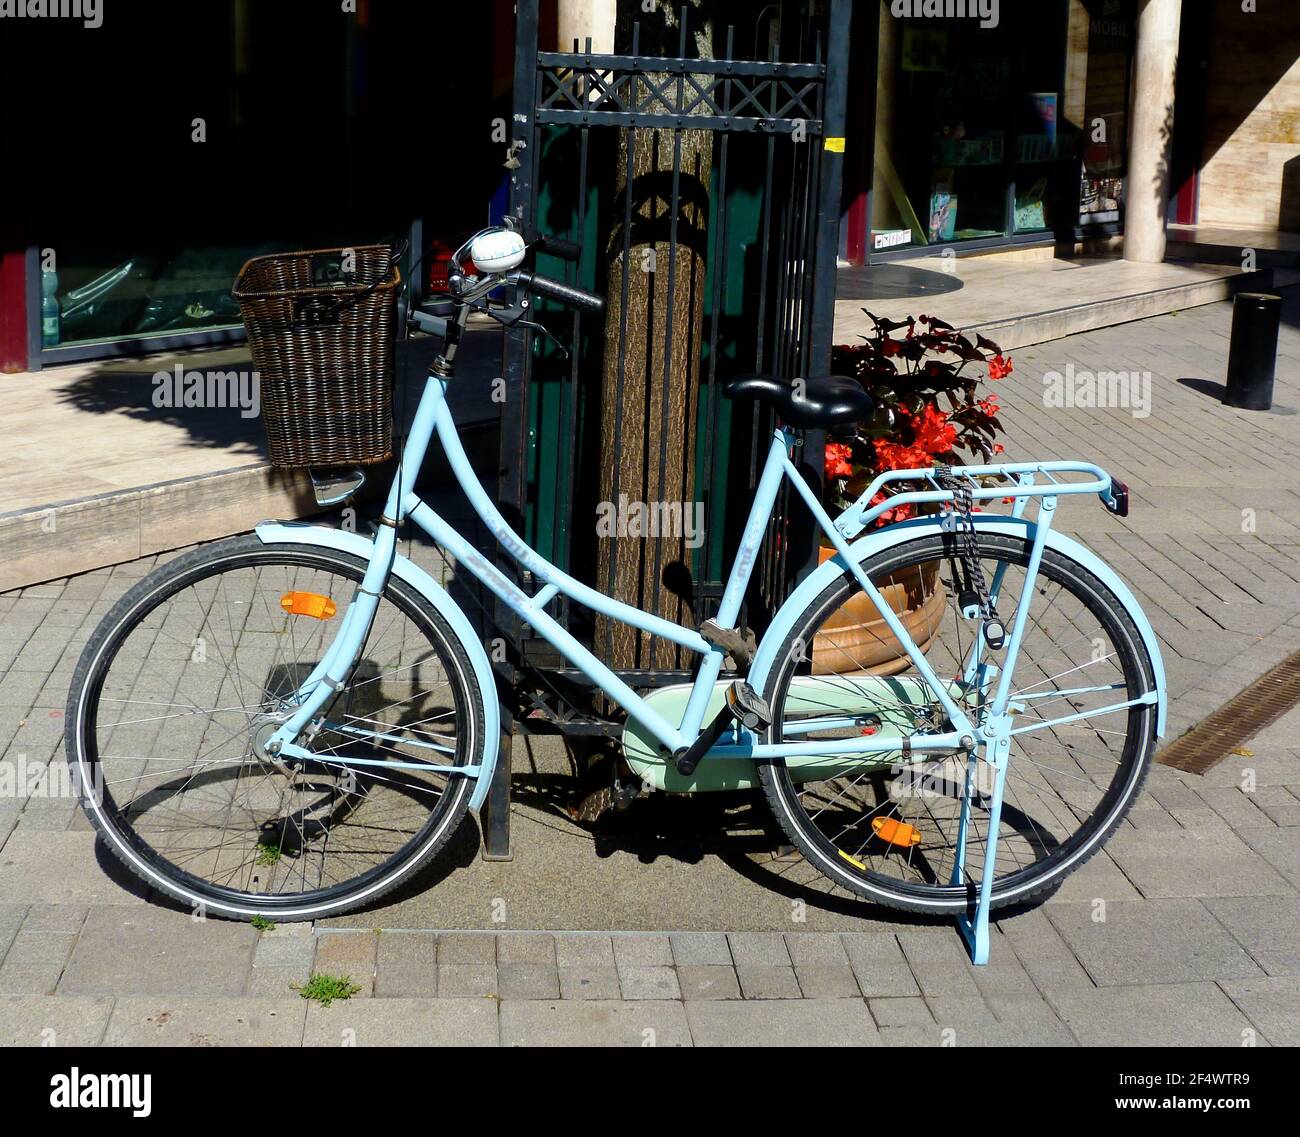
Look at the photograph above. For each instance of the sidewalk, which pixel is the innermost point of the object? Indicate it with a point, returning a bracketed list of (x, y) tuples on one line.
[(680, 921)]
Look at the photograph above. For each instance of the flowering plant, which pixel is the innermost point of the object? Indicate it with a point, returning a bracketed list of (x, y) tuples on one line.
[(928, 408)]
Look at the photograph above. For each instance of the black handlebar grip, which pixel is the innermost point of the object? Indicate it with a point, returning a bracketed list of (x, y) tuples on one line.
[(564, 293), (558, 247)]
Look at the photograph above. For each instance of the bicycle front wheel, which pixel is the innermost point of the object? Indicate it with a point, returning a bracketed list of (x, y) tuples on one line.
[(888, 829), (191, 672)]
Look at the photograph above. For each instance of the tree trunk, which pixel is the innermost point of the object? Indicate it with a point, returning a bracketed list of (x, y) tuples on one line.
[(651, 374)]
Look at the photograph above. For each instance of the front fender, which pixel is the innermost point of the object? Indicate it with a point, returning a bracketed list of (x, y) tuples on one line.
[(766, 656), (275, 532)]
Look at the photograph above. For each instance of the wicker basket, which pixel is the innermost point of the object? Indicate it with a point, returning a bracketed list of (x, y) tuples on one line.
[(322, 342)]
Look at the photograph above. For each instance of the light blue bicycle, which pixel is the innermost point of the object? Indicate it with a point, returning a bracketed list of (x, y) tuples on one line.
[(291, 723)]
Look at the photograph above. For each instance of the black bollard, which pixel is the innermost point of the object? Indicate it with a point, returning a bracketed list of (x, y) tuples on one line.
[(1252, 354)]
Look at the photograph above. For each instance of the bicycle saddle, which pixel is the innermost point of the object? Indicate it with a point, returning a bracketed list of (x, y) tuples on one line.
[(828, 400)]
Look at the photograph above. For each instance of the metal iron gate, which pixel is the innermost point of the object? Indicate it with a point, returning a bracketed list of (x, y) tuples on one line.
[(774, 111)]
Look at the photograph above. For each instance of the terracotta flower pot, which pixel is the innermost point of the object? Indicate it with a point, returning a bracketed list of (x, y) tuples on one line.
[(855, 639)]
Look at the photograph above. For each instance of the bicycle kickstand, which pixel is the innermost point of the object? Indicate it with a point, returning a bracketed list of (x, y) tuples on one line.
[(974, 924)]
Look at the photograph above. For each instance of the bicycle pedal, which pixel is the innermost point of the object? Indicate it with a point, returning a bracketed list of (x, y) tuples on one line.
[(748, 707)]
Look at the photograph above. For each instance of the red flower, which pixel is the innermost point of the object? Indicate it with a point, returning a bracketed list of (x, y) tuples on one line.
[(891, 347), (999, 367), (998, 448), (837, 460), (933, 432), (894, 456), (898, 513)]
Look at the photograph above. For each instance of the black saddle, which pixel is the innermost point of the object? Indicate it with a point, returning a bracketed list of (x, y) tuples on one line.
[(829, 400)]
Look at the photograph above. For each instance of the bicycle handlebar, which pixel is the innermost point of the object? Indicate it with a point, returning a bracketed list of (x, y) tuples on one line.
[(556, 247), (558, 290)]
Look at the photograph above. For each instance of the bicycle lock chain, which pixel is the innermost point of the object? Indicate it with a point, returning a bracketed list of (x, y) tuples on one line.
[(975, 594)]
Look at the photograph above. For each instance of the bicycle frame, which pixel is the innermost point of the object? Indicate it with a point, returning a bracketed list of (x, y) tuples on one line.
[(433, 417)]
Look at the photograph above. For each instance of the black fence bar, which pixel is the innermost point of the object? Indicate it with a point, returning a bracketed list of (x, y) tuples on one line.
[(512, 483)]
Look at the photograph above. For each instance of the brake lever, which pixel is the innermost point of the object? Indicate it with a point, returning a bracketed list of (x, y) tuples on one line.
[(512, 316)]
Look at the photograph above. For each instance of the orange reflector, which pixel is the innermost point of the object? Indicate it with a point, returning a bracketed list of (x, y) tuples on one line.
[(308, 604), (896, 832)]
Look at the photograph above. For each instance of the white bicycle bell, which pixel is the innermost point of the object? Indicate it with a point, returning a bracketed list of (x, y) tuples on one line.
[(497, 250)]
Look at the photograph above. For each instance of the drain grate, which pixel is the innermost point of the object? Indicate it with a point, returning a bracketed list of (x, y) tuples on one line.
[(1242, 717)]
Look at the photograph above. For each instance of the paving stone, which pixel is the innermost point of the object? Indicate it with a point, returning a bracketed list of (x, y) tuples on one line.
[(11, 920), (1004, 974), (1263, 768), (959, 1011), (1021, 1008), (648, 982), (1239, 810), (1272, 1004), (407, 965), (642, 950), (206, 1022), (758, 981), (1177, 1014), (33, 948), (156, 951), (708, 981), (584, 951), (276, 982), (467, 947), (1278, 804), (826, 981), (38, 1020), (528, 981), (457, 980), (703, 948), (38, 867), (1045, 956), (781, 1022), (594, 1023), (283, 951), (1265, 926), (758, 949), (589, 982), (403, 1022), (1279, 847), (940, 965), (906, 1011), (1101, 876), (30, 978), (1194, 863), (55, 918), (1151, 941), (816, 948), (879, 965), (348, 955), (526, 947)]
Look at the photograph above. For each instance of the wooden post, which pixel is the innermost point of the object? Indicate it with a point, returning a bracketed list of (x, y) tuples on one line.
[(655, 297)]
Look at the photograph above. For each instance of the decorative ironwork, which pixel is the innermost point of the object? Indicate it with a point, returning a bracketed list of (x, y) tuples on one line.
[(702, 94)]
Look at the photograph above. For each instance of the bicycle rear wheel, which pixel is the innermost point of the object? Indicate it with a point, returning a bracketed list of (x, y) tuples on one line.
[(888, 829), (198, 664)]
